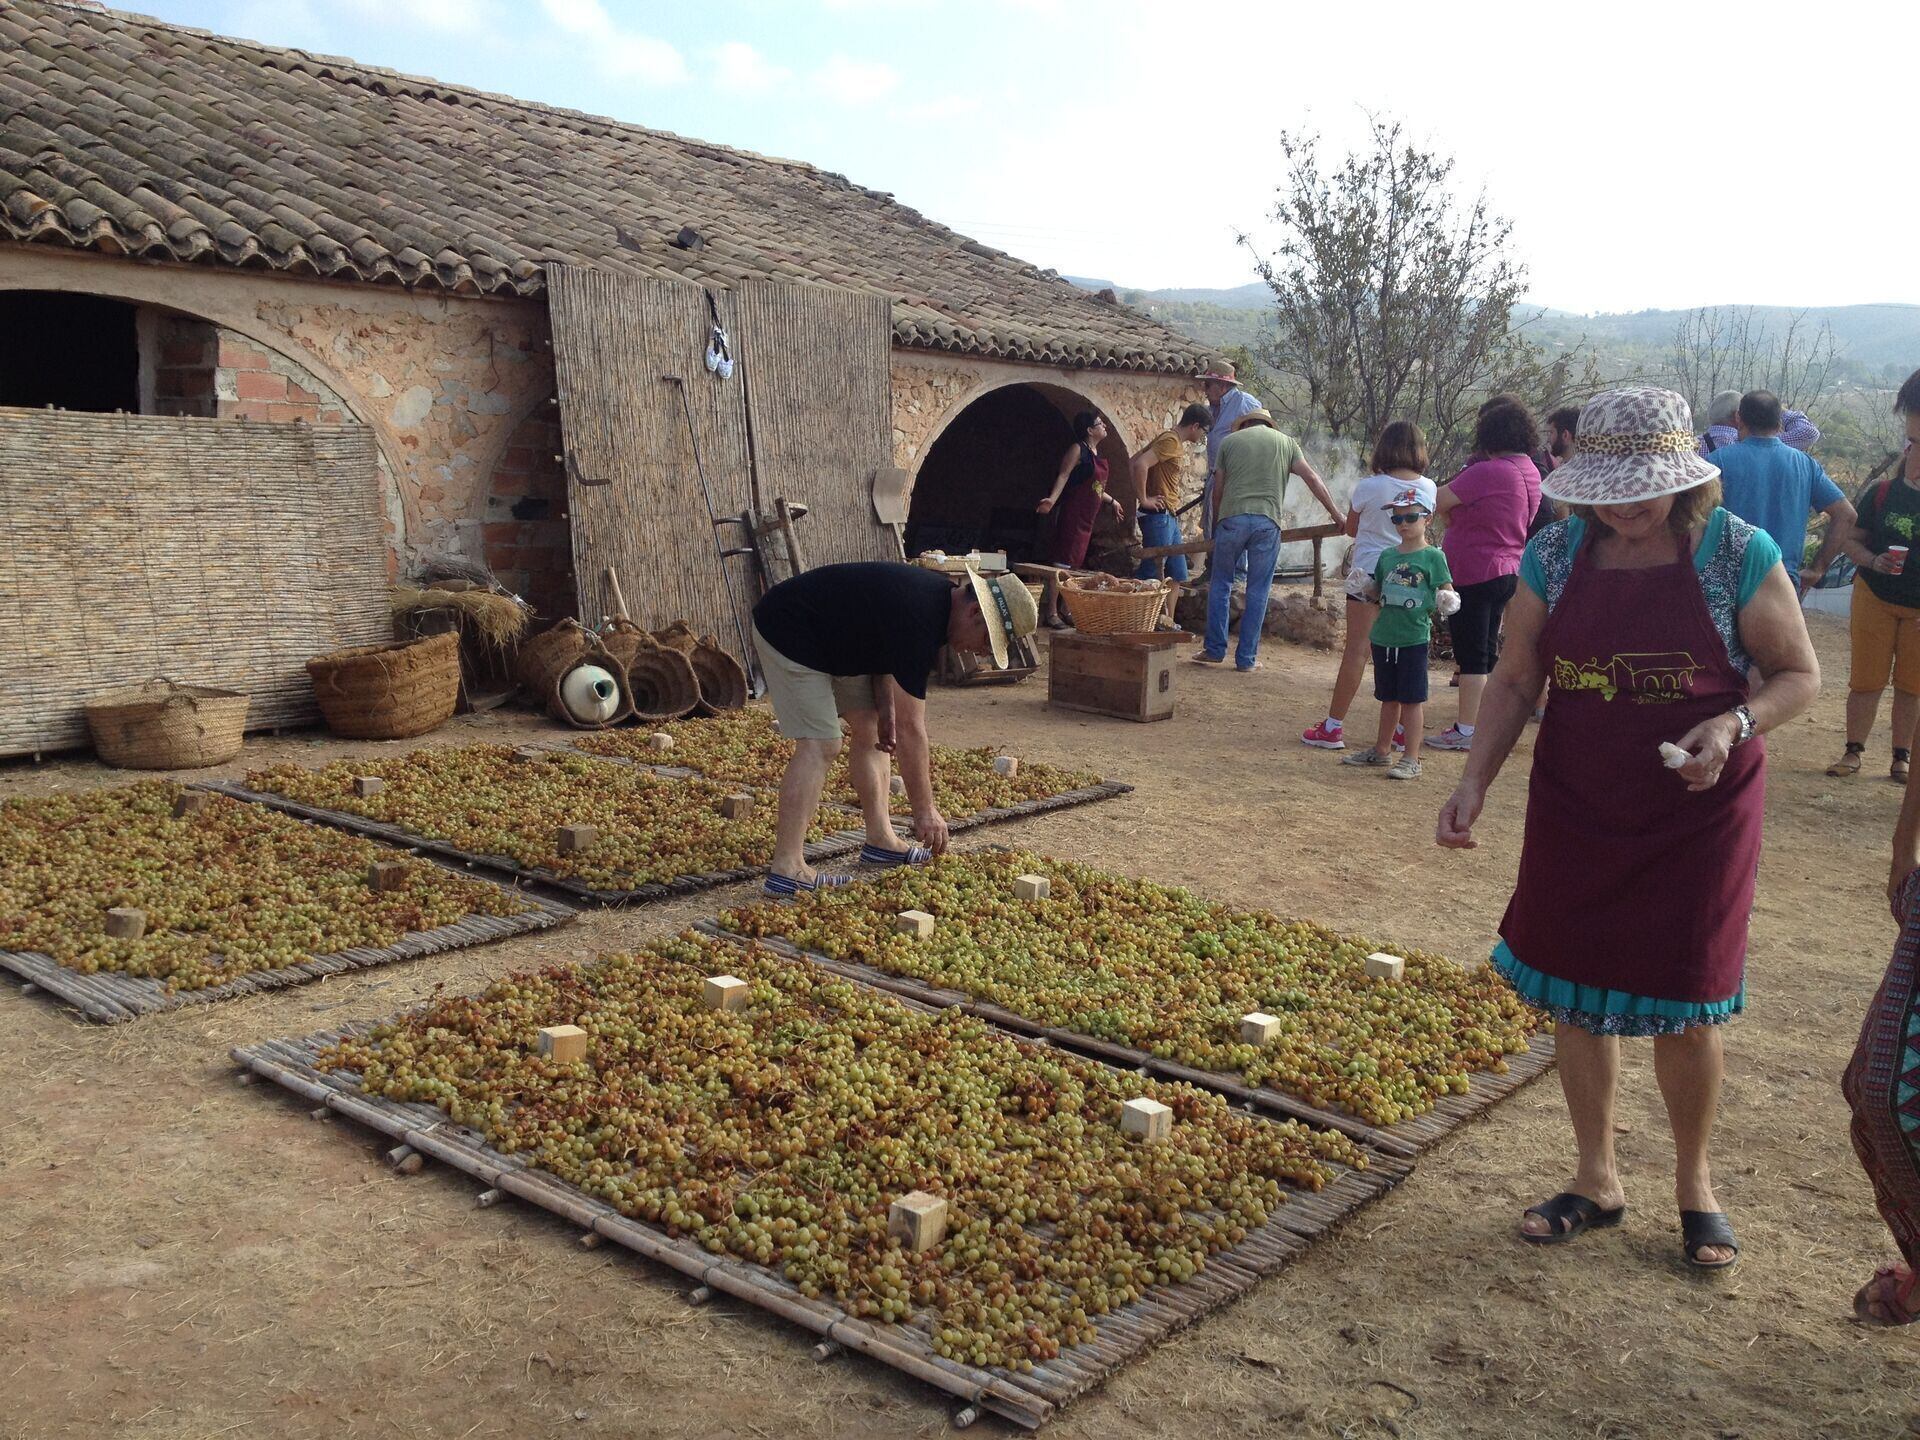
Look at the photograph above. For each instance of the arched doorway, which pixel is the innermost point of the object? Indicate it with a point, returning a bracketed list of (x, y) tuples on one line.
[(84, 352), (992, 463)]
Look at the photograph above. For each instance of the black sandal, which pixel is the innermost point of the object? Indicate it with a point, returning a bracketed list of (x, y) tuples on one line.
[(1568, 1214), (1703, 1229)]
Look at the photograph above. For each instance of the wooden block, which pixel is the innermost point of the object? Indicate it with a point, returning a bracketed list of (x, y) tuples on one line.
[(190, 802), (1257, 1027), (387, 874), (365, 785), (1385, 967), (660, 740), (526, 754), (563, 1043), (124, 922), (1147, 1119), (918, 1221), (1031, 887), (725, 992), (1006, 765), (897, 786), (737, 807), (572, 838), (917, 923)]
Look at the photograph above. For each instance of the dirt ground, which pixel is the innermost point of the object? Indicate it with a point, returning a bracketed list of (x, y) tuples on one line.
[(181, 1256)]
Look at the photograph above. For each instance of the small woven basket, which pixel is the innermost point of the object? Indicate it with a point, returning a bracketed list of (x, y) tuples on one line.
[(163, 725), (1112, 612), (388, 692), (660, 683), (723, 679)]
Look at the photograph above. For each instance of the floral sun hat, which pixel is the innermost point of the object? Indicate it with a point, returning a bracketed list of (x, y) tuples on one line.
[(1635, 443)]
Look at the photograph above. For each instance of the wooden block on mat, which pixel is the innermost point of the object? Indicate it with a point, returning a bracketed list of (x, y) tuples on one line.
[(1385, 967), (1031, 887), (387, 874), (737, 807), (365, 785), (1147, 1119), (564, 1043), (917, 923), (124, 922), (571, 838), (659, 740), (918, 1221), (190, 802), (725, 992), (526, 754), (1257, 1027), (1006, 765)]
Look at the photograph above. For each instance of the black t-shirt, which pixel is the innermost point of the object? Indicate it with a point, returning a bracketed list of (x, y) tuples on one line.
[(861, 619), (1893, 520)]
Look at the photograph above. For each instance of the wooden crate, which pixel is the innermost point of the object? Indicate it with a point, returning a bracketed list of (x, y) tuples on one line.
[(1128, 676)]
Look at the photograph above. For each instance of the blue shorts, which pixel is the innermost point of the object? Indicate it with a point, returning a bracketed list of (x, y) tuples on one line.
[(1400, 675)]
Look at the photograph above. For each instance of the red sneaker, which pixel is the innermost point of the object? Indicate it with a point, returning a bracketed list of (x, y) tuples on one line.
[(1322, 738)]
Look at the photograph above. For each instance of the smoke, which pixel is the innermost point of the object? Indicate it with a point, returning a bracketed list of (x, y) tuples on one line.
[(1342, 465)]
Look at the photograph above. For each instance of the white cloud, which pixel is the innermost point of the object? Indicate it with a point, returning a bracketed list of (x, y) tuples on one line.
[(739, 69), (847, 81), (621, 54)]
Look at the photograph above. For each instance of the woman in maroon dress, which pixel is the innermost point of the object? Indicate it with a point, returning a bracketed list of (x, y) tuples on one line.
[(1647, 608), (1074, 501)]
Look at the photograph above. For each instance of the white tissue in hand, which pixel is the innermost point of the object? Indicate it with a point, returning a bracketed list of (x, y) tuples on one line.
[(1672, 756), (1447, 602)]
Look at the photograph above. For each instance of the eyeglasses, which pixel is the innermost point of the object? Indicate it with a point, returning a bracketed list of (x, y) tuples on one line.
[(1407, 519)]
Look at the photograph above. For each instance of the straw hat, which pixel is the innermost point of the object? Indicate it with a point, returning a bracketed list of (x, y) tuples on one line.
[(1262, 416), (1635, 443), (1010, 610), (1220, 370)]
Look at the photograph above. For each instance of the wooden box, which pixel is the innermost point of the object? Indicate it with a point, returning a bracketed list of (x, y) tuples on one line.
[(1127, 676), (918, 1221), (563, 1043), (1386, 967), (1146, 1119)]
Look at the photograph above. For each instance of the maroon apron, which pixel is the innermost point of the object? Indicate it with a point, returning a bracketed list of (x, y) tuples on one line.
[(1628, 881), (1079, 507)]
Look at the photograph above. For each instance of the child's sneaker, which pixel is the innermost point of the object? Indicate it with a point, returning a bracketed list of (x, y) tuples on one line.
[(1450, 739), (1321, 738), (1404, 769), (1399, 737), (1369, 757)]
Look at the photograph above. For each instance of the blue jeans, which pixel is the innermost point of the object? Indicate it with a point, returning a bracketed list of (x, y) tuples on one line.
[(1255, 539), (1158, 527)]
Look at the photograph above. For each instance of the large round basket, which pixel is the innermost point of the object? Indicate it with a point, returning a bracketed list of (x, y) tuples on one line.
[(723, 679), (660, 683), (162, 725), (388, 692), (1098, 610)]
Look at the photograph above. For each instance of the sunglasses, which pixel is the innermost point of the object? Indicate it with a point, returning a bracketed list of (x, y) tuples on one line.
[(1408, 519)]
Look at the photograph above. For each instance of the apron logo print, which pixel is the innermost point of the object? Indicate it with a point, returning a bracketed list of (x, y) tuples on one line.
[(1647, 678)]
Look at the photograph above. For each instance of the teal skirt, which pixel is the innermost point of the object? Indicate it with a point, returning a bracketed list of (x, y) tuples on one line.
[(1610, 1012)]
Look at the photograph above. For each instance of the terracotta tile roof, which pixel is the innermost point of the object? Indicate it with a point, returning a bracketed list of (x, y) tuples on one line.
[(127, 135)]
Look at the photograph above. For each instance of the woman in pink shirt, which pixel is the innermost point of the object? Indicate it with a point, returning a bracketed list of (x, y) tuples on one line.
[(1487, 508)]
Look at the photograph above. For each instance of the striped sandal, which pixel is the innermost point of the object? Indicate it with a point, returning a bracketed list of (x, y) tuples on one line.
[(785, 887), (886, 859)]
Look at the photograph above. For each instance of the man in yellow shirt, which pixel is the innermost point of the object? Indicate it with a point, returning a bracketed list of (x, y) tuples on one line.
[(1158, 468)]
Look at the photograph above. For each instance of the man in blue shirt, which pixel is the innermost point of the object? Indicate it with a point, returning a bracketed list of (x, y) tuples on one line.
[(1230, 405), (1769, 484)]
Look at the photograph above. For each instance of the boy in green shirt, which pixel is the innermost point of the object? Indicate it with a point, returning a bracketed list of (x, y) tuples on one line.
[(1410, 582)]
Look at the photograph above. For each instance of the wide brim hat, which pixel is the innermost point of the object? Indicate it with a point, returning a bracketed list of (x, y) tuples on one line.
[(1011, 611), (1220, 370), (1633, 444), (1256, 417)]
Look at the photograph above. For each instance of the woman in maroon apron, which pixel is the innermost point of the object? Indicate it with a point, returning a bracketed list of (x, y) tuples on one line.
[(1646, 609), (1074, 501)]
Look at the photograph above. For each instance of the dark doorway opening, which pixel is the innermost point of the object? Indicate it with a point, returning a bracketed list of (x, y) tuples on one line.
[(73, 352)]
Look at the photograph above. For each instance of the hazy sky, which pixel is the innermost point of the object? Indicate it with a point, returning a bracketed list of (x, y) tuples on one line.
[(1650, 155)]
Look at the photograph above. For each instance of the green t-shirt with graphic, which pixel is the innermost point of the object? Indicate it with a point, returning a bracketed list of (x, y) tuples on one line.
[(1894, 520), (1409, 590)]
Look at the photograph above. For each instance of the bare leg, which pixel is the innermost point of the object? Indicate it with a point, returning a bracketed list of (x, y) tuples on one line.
[(1353, 657), (1862, 706), (871, 768), (1411, 718), (1389, 717), (1589, 1073), (800, 791), (1472, 687), (1689, 1066), (1906, 708)]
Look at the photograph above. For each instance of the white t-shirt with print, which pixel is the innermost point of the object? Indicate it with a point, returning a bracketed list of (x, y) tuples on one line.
[(1371, 497)]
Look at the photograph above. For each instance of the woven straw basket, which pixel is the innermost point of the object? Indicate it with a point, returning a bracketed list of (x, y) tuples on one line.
[(162, 725), (550, 654), (723, 680), (660, 683), (388, 692), (1112, 612)]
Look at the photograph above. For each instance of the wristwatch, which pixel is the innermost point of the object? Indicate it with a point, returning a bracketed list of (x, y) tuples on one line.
[(1745, 717)]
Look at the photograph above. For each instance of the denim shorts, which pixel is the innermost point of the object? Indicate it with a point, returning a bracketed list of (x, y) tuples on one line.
[(1400, 675)]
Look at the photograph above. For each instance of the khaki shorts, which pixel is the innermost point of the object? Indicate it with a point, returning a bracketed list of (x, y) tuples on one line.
[(1885, 637), (809, 703)]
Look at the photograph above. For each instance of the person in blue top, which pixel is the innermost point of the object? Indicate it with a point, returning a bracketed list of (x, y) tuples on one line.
[(1768, 483)]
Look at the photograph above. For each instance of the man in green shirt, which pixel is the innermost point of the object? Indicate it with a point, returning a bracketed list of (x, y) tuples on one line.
[(1249, 493)]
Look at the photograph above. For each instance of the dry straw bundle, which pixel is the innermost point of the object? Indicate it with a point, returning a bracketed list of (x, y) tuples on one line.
[(498, 620)]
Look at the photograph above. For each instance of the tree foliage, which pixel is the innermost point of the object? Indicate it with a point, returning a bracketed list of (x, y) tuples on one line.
[(1728, 347)]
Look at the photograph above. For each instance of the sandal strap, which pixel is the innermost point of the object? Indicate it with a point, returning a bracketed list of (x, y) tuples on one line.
[(1701, 1229), (1565, 1212)]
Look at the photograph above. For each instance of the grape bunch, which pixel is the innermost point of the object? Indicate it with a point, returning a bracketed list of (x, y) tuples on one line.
[(1163, 971), (741, 747), (780, 1133), (233, 889), (482, 800)]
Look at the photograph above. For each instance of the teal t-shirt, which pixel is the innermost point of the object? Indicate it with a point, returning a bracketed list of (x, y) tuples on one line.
[(1409, 589), (1759, 556)]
